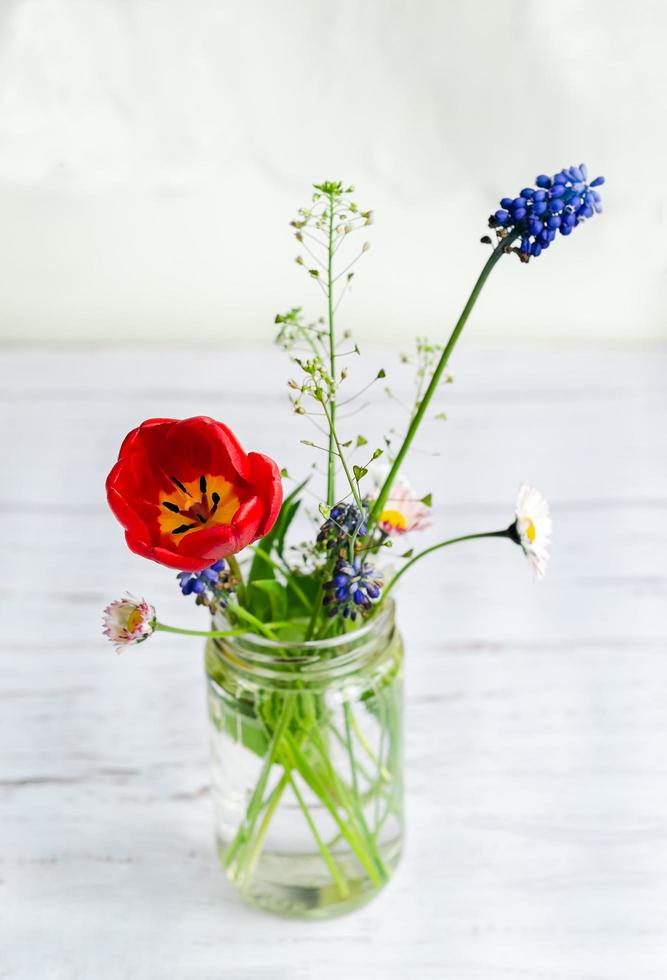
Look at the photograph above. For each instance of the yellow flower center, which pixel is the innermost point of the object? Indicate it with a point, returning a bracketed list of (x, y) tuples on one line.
[(529, 529), (134, 620), (208, 501), (393, 518)]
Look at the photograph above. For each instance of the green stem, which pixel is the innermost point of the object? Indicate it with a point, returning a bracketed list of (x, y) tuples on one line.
[(347, 830), (498, 251), (436, 547), (274, 799), (349, 801), (252, 620), (362, 769), (331, 470), (317, 609), (363, 741), (235, 569), (254, 806), (287, 572), (327, 856), (333, 434), (377, 857), (214, 633)]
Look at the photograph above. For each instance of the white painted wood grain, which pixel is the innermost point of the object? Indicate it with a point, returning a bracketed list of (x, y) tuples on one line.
[(537, 729)]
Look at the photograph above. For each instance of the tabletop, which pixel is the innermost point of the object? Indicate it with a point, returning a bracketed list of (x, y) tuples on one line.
[(536, 741)]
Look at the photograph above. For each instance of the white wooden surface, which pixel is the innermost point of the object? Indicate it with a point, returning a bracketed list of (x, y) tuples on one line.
[(536, 722)]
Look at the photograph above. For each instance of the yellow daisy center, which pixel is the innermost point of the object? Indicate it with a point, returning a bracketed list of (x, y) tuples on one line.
[(529, 529), (206, 502), (393, 518), (134, 620)]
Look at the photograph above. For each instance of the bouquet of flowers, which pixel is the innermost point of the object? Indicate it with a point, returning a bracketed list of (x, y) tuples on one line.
[(303, 658)]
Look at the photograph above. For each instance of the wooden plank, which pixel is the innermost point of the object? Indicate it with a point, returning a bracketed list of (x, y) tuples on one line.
[(536, 764)]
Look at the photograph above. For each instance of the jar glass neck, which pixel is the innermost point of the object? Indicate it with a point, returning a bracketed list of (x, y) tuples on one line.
[(337, 655)]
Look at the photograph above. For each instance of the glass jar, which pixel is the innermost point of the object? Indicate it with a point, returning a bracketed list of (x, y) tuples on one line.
[(307, 771)]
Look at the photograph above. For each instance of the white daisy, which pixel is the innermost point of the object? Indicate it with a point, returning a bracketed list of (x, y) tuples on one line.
[(533, 527), (128, 621), (403, 510)]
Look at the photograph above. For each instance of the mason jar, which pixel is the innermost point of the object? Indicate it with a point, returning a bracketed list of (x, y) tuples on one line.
[(307, 766)]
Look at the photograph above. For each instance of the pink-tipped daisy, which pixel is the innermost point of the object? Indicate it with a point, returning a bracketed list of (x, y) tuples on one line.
[(403, 510), (128, 621)]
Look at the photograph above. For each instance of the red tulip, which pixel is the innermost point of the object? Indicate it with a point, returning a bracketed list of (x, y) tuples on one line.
[(187, 494)]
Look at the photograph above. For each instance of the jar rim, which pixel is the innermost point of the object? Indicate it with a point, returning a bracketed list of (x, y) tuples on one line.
[(377, 622), (260, 655)]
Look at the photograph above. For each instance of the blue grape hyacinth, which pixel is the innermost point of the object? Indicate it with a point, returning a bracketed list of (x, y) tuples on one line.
[(200, 583), (344, 520), (556, 204), (352, 589)]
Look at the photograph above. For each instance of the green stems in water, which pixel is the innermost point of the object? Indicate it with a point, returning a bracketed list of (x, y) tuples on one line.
[(381, 499), (306, 762), (255, 805), (327, 856)]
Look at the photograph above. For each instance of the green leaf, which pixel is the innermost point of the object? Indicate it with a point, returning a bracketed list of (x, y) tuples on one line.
[(309, 586), (260, 567), (359, 472), (277, 599), (361, 441), (428, 500), (243, 726), (285, 519), (382, 373), (408, 554), (377, 454)]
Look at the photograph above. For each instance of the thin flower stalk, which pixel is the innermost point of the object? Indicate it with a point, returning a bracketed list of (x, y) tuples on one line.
[(501, 249)]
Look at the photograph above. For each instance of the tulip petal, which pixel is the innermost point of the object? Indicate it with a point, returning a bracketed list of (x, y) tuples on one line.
[(266, 477), (172, 559), (202, 445), (134, 439), (126, 515)]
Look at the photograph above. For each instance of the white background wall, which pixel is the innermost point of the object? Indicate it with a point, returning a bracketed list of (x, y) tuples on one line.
[(152, 153)]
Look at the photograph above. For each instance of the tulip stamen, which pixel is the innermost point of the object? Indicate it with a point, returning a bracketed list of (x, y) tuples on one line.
[(181, 487), (205, 501), (198, 512), (182, 528)]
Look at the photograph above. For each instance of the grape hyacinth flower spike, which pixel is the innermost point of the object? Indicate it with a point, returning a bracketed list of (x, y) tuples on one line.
[(557, 204), (353, 589), (211, 587)]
